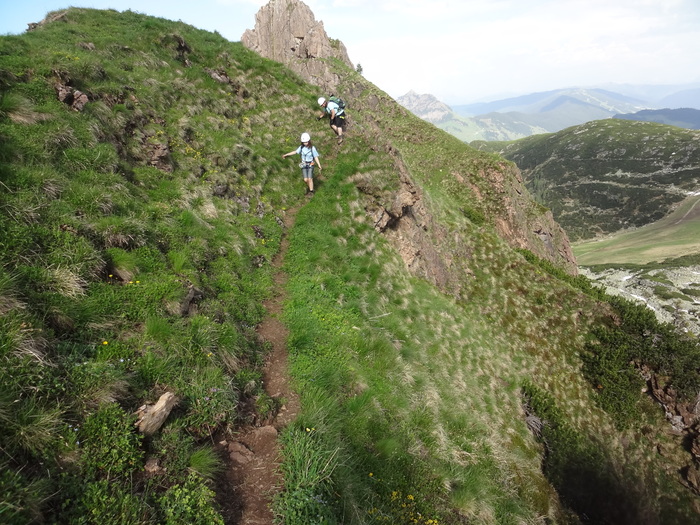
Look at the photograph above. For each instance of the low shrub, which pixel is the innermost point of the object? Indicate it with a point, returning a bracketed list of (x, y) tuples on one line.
[(105, 502), (111, 448), (190, 502)]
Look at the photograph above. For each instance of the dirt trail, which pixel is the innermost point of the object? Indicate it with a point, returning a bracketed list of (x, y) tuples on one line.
[(252, 476)]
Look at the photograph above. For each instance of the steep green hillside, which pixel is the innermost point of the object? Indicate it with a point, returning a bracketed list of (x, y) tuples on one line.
[(607, 175), (451, 367)]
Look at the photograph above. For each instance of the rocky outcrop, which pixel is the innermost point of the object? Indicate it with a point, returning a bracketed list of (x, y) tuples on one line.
[(523, 224), (429, 249), (74, 98), (402, 217), (287, 31)]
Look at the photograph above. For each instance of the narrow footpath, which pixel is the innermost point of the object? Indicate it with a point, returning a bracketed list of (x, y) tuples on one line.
[(252, 476)]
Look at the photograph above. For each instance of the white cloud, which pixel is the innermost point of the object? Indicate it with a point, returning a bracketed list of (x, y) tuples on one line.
[(468, 49)]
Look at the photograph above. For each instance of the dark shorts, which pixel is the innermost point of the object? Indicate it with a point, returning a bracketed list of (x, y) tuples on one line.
[(338, 121)]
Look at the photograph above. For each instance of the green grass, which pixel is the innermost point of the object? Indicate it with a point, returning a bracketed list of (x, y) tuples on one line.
[(382, 372), (671, 237), (138, 237), (101, 249)]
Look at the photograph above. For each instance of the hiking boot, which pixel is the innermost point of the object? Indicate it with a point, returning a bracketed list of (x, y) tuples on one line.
[(340, 139)]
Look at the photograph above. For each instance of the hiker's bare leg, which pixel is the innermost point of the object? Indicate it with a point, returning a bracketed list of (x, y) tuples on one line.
[(309, 181)]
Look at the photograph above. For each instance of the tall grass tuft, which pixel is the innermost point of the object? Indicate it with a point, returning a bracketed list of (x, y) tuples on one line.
[(308, 468), (18, 109), (205, 462), (34, 428)]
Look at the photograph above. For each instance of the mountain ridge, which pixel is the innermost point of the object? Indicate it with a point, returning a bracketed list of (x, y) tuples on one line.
[(451, 366), (681, 117), (525, 115), (604, 176)]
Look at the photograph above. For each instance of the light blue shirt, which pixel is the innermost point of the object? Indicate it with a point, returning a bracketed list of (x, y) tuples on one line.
[(307, 154), (330, 106)]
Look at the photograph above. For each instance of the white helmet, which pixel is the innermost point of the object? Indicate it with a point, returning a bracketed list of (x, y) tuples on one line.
[(305, 137), (321, 101)]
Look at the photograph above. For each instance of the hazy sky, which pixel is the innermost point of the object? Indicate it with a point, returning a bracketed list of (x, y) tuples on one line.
[(462, 51)]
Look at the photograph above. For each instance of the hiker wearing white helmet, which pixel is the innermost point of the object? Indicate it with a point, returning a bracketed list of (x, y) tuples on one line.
[(335, 108), (309, 159)]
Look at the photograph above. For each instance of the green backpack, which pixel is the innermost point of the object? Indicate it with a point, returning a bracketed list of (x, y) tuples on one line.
[(337, 100)]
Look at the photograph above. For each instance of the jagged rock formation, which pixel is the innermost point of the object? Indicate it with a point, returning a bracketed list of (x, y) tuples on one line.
[(287, 31)]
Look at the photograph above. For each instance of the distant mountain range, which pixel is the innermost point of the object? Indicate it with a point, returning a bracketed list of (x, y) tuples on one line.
[(600, 100), (683, 117), (548, 111)]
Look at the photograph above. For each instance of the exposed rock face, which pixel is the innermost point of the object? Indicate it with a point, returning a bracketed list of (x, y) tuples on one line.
[(440, 256), (539, 233), (410, 227), (71, 96), (286, 31)]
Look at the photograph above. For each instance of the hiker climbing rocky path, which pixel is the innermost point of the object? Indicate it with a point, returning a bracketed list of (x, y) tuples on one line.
[(252, 476)]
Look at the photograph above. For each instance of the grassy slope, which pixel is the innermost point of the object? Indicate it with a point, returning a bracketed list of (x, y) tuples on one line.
[(413, 402), (675, 235), (100, 249)]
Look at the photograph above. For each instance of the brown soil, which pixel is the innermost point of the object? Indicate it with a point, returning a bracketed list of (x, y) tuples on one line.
[(252, 476)]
